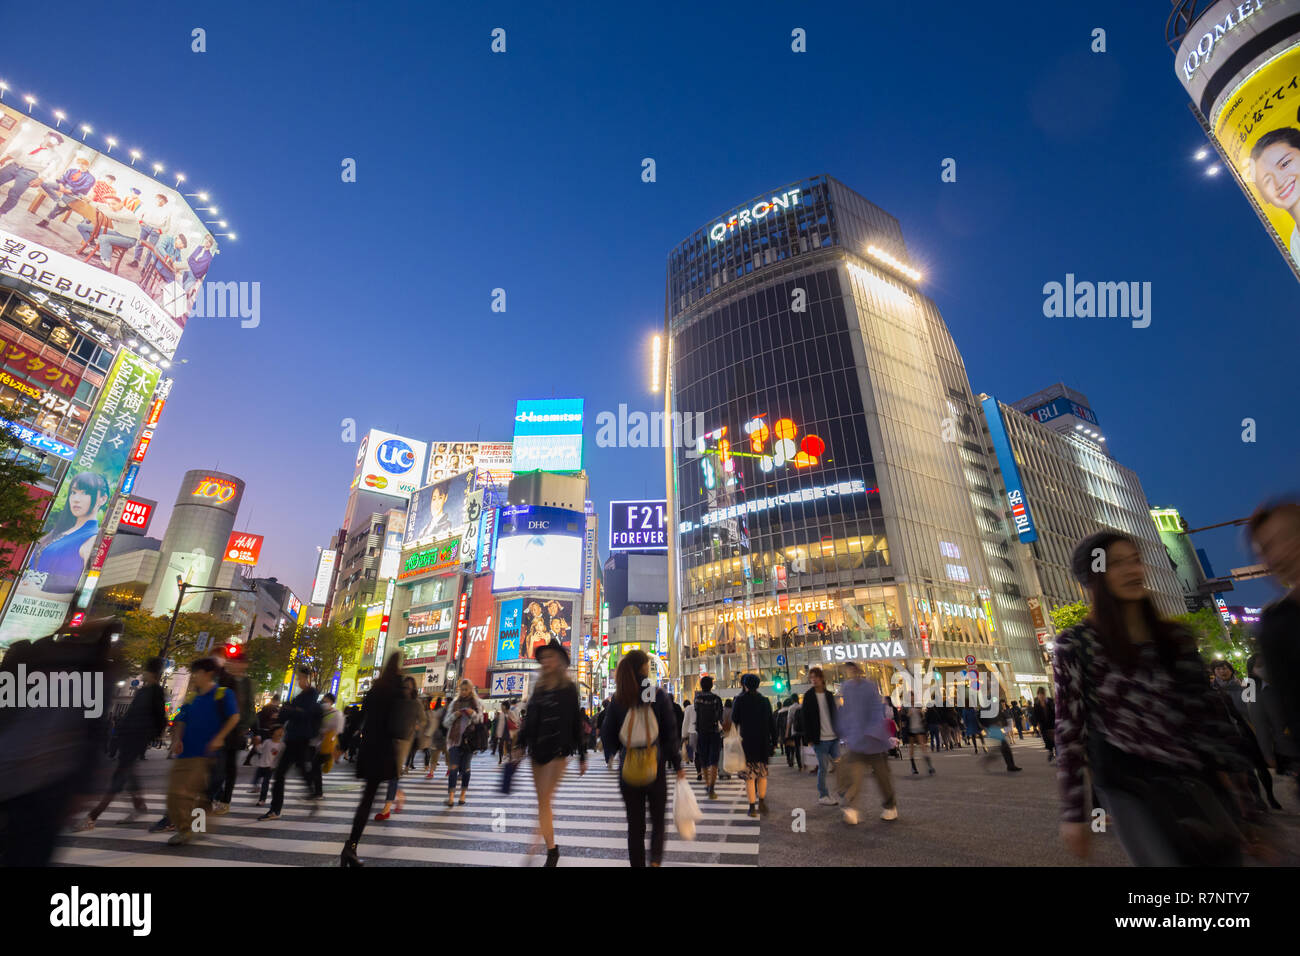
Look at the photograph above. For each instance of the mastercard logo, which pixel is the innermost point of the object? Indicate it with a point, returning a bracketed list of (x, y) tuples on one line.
[(376, 481)]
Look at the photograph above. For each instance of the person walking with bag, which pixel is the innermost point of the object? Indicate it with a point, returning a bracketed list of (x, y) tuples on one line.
[(1133, 709), (708, 723), (752, 715), (818, 718), (437, 738), (463, 716), (325, 744), (377, 750), (302, 717), (641, 726), (553, 729)]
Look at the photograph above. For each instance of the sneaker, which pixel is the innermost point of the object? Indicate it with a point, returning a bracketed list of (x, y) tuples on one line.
[(828, 801), (262, 802), (162, 826), (180, 839), (220, 809), (753, 810), (1014, 769), (890, 814), (850, 816), (131, 817), (269, 815), (712, 794), (83, 825)]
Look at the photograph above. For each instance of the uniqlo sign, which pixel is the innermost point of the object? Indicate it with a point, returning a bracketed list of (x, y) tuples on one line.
[(136, 515), (243, 548)]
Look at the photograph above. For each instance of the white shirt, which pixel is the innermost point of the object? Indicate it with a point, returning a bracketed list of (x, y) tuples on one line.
[(268, 754), (824, 718)]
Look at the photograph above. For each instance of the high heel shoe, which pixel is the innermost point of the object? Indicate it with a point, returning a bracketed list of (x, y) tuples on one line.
[(349, 855)]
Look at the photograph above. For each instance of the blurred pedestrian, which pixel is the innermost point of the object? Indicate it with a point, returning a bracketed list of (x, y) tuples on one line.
[(1133, 709), (199, 736), (862, 728), (752, 714), (463, 716), (552, 731), (377, 752), (302, 717), (1044, 715), (1275, 533), (817, 720), (405, 725), (708, 727)]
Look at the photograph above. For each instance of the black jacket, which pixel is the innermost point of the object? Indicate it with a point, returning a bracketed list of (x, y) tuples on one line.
[(144, 720), (1045, 714), (553, 724), (670, 741), (752, 713), (300, 716), (812, 715), (377, 755)]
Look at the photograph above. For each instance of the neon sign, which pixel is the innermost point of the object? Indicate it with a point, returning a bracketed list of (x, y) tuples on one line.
[(854, 487), (759, 211), (210, 487)]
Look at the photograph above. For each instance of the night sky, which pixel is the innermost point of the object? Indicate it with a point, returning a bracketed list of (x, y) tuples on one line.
[(523, 171)]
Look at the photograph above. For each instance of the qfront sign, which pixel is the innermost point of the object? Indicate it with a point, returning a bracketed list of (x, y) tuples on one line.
[(744, 218)]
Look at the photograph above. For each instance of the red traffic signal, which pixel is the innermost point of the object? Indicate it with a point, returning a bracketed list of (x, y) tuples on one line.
[(818, 626)]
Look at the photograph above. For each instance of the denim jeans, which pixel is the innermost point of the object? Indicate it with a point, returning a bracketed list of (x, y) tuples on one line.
[(826, 751), (19, 178)]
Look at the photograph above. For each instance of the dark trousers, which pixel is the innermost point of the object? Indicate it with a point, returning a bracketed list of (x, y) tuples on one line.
[(263, 774), (124, 778), (297, 753), (224, 771), (458, 759), (363, 810), (32, 822), (317, 774), (793, 753), (636, 799), (1049, 739)]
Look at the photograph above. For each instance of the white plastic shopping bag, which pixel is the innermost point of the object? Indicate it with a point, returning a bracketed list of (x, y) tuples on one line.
[(733, 753), (686, 811)]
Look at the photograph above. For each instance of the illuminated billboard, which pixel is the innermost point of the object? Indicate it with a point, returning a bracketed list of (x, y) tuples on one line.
[(1240, 64), (508, 630), (320, 587), (539, 549), (137, 513), (438, 559), (638, 525), (491, 458), (548, 435), (42, 596), (244, 548), (79, 224), (543, 620), (1022, 520), (437, 511), (389, 464)]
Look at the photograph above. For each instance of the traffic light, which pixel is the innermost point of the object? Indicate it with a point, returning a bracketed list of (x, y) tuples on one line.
[(818, 626), (778, 684)]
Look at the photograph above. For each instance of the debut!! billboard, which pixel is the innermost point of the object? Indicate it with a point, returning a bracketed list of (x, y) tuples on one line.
[(491, 458), (548, 435), (42, 596), (389, 464), (77, 223), (539, 549)]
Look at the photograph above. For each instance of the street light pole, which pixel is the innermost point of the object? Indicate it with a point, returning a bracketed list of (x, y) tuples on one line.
[(176, 612)]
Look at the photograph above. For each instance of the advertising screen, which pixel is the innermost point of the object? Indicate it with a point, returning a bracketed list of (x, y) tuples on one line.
[(244, 548), (447, 458), (538, 562), (153, 250), (324, 572), (192, 567), (42, 596), (647, 579), (433, 560), (389, 464), (478, 633), (548, 435), (437, 511), (508, 630), (1259, 129), (546, 619), (638, 525)]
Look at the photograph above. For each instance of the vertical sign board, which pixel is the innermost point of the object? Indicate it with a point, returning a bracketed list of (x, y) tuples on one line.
[(469, 545), (589, 567), (45, 591), (1020, 516)]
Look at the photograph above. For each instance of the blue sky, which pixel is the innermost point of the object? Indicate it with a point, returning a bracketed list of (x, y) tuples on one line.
[(522, 171)]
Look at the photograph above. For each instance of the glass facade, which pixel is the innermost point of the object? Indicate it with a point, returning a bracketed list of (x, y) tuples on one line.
[(822, 489)]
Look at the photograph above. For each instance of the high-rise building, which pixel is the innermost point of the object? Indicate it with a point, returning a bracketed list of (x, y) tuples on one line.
[(194, 545), (1183, 558), (834, 482), (1065, 412)]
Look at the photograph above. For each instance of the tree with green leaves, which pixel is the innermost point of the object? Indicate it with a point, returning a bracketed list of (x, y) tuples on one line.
[(21, 513), (143, 635), (268, 659), (1214, 640), (1068, 615)]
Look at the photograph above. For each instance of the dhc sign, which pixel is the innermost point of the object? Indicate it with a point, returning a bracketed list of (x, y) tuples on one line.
[(760, 210)]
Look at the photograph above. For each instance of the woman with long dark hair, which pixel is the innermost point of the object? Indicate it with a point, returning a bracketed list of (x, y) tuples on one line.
[(407, 713), (552, 731), (62, 554), (1133, 708), (640, 726), (377, 755)]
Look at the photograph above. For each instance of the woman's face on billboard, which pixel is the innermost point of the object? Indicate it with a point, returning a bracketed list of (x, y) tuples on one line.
[(1275, 175), (80, 503)]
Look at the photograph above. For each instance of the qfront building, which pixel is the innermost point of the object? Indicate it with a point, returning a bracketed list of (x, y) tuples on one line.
[(841, 479)]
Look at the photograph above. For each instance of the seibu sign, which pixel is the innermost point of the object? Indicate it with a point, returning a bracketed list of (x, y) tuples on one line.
[(777, 610)]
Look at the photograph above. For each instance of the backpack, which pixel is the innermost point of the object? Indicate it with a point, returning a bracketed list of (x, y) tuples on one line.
[(707, 713), (640, 736)]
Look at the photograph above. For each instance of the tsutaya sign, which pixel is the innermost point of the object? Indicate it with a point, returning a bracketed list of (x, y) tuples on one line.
[(777, 610), (867, 650), (760, 210)]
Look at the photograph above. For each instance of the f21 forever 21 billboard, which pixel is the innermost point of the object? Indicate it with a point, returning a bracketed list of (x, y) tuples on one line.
[(78, 223)]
